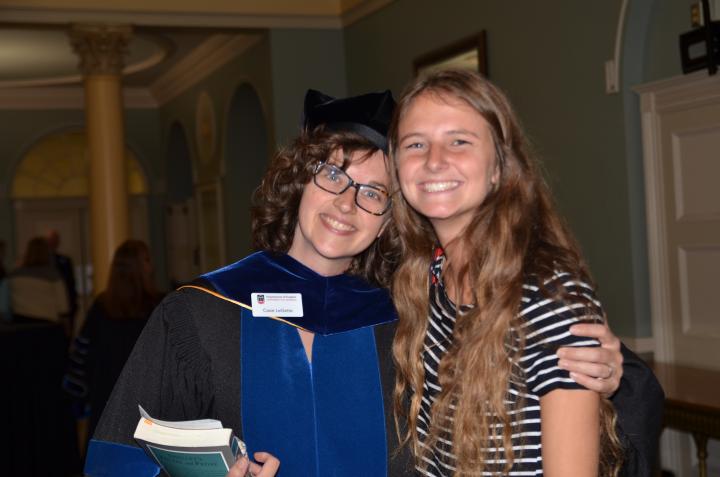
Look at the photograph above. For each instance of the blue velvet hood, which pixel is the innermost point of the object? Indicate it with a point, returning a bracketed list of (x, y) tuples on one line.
[(331, 304)]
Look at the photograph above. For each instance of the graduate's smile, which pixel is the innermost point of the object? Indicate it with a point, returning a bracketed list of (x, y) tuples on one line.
[(336, 225)]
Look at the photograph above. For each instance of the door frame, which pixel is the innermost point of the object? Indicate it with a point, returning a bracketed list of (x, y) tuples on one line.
[(674, 94), (657, 98)]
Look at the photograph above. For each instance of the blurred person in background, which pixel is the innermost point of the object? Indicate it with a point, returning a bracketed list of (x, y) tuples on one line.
[(111, 327), (5, 314), (64, 265), (3, 249), (37, 290)]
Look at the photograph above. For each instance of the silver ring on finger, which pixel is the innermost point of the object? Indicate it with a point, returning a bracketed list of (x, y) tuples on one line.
[(611, 371)]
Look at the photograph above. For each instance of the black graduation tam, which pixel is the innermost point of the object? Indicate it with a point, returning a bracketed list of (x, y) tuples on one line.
[(367, 114)]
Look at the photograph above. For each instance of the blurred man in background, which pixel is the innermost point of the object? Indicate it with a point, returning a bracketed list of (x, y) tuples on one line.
[(64, 265)]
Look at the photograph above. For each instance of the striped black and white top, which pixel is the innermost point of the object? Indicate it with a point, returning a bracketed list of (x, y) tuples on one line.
[(546, 323)]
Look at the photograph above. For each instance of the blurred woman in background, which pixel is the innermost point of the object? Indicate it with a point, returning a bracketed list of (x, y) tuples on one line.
[(113, 324), (36, 287)]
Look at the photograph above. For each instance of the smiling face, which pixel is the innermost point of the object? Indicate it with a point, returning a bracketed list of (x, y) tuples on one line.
[(332, 229), (446, 162)]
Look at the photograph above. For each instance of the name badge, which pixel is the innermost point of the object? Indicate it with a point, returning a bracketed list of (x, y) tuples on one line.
[(281, 305)]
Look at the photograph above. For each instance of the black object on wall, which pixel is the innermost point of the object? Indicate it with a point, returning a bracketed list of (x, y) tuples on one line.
[(700, 48)]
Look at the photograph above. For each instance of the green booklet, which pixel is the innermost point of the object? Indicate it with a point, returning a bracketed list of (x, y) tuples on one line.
[(201, 448)]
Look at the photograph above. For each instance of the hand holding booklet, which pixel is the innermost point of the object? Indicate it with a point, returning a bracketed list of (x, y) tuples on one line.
[(189, 448)]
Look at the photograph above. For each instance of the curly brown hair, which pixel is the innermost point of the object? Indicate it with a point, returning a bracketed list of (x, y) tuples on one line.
[(277, 200)]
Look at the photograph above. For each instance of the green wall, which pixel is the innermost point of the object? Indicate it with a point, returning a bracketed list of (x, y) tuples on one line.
[(280, 67), (303, 59), (667, 19), (549, 57), (251, 67)]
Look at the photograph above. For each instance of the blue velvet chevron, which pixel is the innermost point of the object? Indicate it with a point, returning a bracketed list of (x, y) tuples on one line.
[(331, 304), (108, 459)]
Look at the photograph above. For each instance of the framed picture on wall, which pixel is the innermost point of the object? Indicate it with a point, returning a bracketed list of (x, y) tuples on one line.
[(466, 53)]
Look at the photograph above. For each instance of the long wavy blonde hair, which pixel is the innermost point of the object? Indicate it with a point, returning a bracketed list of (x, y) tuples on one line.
[(514, 234)]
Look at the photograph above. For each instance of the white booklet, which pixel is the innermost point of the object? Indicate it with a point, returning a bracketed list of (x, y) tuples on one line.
[(201, 448)]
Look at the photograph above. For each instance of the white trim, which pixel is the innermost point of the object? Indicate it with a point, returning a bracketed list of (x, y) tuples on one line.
[(191, 19), (67, 98), (657, 248), (639, 345), (205, 59), (680, 92), (674, 94), (42, 82), (197, 65), (74, 79), (612, 67)]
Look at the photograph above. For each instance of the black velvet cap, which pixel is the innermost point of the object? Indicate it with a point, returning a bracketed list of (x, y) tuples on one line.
[(367, 114)]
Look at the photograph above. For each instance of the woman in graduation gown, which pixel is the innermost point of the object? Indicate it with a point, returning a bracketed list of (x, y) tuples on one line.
[(291, 346), (284, 346)]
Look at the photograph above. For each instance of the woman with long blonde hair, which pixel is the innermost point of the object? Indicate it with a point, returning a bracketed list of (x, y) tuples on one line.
[(480, 369)]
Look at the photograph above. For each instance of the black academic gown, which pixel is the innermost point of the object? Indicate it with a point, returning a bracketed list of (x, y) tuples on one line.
[(203, 355), (639, 403)]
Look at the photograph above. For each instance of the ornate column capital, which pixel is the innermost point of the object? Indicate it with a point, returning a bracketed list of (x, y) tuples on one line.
[(101, 48)]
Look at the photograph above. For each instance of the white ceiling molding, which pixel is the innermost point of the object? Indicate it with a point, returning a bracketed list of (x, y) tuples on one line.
[(67, 98), (362, 10), (192, 19), (149, 62), (155, 59), (41, 82), (210, 55)]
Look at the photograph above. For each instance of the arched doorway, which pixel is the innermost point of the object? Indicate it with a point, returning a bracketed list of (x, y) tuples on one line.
[(49, 190), (183, 262), (246, 157)]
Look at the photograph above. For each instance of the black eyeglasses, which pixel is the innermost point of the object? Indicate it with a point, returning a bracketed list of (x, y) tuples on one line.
[(372, 199)]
